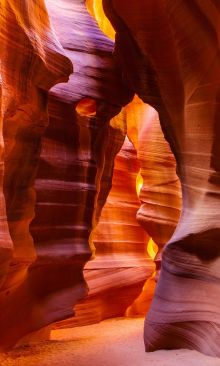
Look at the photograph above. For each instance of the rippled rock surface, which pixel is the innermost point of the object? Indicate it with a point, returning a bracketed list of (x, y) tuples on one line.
[(169, 52)]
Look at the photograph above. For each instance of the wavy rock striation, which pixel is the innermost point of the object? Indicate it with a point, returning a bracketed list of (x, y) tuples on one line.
[(71, 174), (45, 276), (32, 61), (57, 149), (169, 52), (160, 192), (121, 265), (77, 158)]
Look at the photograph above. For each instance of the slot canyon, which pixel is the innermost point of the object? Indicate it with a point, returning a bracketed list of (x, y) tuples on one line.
[(110, 182)]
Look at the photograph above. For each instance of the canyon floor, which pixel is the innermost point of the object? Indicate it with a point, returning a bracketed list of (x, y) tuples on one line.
[(114, 342)]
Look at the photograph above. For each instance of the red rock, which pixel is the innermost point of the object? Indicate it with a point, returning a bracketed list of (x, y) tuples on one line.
[(32, 61), (84, 200), (121, 265), (45, 280), (169, 55)]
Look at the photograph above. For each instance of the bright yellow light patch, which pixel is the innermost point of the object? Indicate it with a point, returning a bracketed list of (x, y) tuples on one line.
[(152, 248), (139, 183), (95, 8)]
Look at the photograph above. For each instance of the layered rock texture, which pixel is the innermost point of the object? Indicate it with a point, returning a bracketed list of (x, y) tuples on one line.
[(59, 143), (160, 192), (46, 280), (121, 264), (87, 174), (169, 52), (121, 277), (32, 61)]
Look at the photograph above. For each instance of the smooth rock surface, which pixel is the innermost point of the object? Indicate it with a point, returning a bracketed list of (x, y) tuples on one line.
[(121, 263), (32, 61), (39, 45), (169, 52)]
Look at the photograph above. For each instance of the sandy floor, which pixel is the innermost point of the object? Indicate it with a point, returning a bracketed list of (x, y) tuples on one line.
[(115, 342)]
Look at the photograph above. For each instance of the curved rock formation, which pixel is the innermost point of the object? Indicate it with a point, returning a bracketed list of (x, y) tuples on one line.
[(73, 178), (45, 280), (32, 61), (169, 53), (160, 193), (121, 265), (95, 8)]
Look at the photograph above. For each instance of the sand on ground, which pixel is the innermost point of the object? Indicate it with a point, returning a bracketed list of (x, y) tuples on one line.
[(113, 342)]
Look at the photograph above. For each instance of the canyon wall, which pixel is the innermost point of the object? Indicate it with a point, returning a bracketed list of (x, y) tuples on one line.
[(121, 277), (65, 196), (121, 264), (42, 271), (169, 53), (32, 61)]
